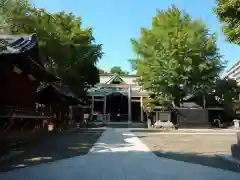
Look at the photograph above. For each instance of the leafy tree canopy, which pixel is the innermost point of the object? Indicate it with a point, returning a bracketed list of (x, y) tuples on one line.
[(227, 91), (66, 48), (7, 9), (225, 94), (176, 56), (118, 70), (228, 12)]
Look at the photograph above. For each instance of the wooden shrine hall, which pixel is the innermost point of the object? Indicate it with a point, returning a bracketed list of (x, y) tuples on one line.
[(21, 72)]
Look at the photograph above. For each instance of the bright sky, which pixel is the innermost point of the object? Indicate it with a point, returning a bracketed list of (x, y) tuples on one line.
[(116, 21)]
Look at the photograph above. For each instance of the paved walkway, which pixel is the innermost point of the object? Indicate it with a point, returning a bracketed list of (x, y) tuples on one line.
[(119, 155)]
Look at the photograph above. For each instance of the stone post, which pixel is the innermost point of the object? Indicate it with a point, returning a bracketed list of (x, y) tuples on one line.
[(129, 104), (105, 107), (141, 106), (235, 148)]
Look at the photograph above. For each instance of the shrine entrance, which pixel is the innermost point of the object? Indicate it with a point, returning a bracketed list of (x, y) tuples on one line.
[(117, 107)]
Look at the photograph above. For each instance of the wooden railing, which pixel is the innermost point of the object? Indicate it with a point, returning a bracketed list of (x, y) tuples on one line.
[(16, 112)]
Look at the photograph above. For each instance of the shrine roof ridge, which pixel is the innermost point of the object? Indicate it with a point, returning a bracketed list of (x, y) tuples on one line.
[(122, 75)]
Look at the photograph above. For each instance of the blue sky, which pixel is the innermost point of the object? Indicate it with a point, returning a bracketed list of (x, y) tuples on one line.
[(116, 21)]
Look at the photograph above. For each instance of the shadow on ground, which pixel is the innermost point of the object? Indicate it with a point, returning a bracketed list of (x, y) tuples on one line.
[(194, 158), (122, 151), (190, 157), (123, 162), (118, 165), (210, 161), (60, 146)]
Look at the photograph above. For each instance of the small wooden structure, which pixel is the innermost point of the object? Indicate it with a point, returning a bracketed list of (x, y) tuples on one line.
[(162, 119), (64, 105), (189, 114)]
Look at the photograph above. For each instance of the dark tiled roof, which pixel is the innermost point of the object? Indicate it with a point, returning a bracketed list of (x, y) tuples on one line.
[(23, 51), (66, 91), (121, 75), (189, 97), (190, 105), (12, 44)]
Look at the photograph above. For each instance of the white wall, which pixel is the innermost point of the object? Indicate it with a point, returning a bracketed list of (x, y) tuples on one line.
[(104, 79), (130, 80)]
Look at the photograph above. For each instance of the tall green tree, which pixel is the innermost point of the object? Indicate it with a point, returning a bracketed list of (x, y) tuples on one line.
[(67, 49), (118, 70), (228, 12), (176, 56)]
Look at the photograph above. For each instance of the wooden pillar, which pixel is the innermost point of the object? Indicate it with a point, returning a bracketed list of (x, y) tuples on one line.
[(129, 104), (141, 106), (92, 107), (70, 113), (105, 105)]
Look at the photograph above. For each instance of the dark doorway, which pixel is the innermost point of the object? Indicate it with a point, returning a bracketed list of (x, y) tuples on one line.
[(98, 106), (136, 112), (117, 106)]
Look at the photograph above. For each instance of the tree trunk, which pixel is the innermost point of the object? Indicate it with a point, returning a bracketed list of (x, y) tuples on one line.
[(149, 122), (176, 102)]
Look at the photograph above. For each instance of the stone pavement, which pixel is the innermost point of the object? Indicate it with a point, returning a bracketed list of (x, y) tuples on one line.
[(119, 155)]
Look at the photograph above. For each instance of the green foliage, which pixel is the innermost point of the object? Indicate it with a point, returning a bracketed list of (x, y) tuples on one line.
[(163, 101), (148, 105), (228, 12), (227, 91), (176, 56), (8, 8), (118, 70), (66, 48)]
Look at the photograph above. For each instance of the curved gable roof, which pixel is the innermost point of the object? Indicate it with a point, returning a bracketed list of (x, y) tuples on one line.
[(115, 77)]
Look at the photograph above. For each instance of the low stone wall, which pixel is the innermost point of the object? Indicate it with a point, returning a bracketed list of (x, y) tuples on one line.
[(236, 148)]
